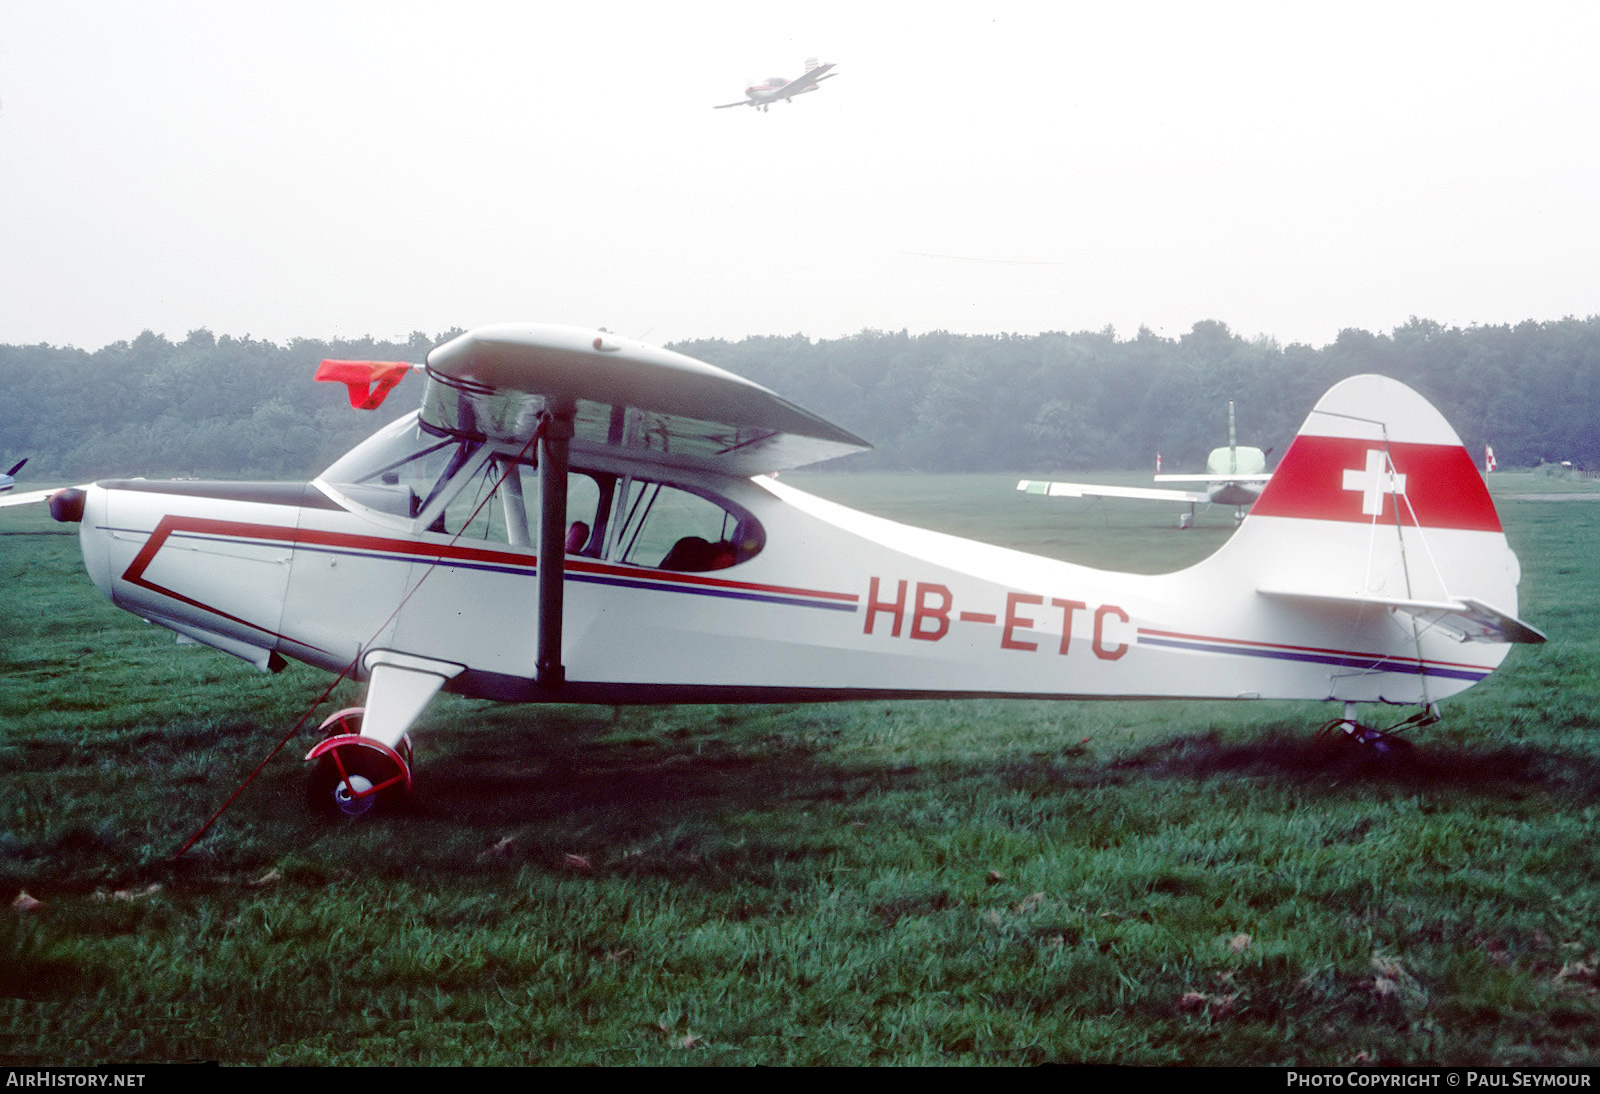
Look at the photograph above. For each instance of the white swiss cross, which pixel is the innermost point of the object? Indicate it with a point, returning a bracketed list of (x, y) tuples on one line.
[(1374, 481)]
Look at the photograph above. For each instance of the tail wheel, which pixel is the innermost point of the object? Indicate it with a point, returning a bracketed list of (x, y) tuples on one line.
[(1377, 742), (354, 774)]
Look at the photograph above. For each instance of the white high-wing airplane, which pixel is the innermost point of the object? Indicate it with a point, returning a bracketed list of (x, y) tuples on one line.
[(776, 88), (1234, 476), (575, 517)]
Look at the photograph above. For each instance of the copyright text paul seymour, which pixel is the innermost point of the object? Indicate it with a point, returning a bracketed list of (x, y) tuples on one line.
[(1435, 1079)]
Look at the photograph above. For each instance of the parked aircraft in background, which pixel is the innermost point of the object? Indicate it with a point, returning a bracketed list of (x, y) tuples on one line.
[(575, 517), (1234, 476), (8, 482), (776, 88)]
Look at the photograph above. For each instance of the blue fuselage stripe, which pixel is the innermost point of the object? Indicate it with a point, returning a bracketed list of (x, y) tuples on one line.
[(1370, 662)]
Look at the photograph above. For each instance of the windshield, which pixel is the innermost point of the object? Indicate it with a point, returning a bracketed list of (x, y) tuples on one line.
[(398, 470)]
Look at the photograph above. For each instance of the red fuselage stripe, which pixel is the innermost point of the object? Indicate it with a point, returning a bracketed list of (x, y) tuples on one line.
[(443, 552)]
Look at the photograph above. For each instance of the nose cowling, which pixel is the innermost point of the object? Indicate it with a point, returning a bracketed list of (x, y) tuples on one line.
[(66, 505), (86, 507)]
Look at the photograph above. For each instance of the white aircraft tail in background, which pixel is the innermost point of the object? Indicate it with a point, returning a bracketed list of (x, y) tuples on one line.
[(1234, 476)]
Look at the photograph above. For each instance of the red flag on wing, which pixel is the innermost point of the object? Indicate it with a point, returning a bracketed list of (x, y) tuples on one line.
[(369, 381)]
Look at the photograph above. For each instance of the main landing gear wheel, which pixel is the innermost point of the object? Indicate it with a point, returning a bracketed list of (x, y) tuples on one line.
[(353, 774)]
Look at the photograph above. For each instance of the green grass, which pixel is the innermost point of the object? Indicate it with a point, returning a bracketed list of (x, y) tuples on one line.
[(920, 882)]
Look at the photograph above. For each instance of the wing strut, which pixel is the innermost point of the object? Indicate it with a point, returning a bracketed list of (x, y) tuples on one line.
[(555, 445)]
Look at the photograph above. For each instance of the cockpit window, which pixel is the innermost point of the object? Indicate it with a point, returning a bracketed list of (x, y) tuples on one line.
[(501, 503), (468, 488), (673, 529)]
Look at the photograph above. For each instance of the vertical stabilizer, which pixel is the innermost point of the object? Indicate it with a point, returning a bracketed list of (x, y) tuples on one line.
[(1377, 522), (1377, 497)]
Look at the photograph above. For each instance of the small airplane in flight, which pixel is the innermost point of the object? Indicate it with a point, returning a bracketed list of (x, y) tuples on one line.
[(575, 517), (1234, 476), (776, 88)]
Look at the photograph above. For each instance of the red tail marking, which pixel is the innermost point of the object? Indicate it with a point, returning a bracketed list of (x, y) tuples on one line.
[(1426, 485)]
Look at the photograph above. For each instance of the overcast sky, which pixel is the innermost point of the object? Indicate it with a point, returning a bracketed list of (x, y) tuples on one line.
[(288, 169)]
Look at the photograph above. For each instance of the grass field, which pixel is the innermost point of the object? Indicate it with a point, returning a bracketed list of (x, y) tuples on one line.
[(912, 883)]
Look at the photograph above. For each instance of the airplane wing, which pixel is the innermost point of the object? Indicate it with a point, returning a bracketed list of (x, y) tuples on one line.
[(632, 400), (1467, 619), (1089, 490), (741, 102), (808, 81), (29, 498)]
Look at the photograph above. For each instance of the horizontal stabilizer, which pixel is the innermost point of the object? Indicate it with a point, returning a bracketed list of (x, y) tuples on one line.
[(1263, 477), (1468, 619), (1089, 490)]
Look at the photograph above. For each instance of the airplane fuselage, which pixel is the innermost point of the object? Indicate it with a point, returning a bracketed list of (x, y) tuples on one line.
[(574, 517), (822, 602)]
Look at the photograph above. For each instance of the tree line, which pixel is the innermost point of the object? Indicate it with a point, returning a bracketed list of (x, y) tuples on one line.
[(1040, 403)]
